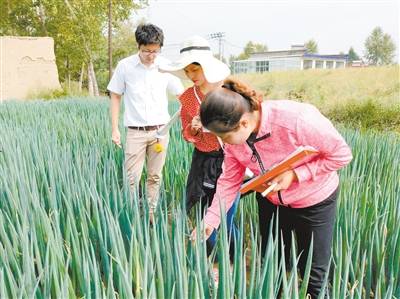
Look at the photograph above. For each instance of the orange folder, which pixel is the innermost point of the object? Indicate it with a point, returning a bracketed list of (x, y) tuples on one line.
[(300, 156)]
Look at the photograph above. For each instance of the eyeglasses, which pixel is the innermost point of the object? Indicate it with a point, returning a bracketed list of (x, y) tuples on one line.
[(149, 52)]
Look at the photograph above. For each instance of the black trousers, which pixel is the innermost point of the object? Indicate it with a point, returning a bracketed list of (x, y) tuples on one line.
[(316, 221), (201, 183)]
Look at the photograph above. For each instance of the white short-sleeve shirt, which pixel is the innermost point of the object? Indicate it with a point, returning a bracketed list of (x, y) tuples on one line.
[(144, 91)]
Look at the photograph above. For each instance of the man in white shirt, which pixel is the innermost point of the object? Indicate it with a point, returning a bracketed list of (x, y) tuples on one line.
[(144, 90)]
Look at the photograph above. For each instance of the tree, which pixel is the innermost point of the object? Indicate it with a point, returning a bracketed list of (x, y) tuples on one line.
[(249, 49), (311, 46), (353, 55), (90, 19), (78, 28), (379, 47), (123, 45), (124, 42)]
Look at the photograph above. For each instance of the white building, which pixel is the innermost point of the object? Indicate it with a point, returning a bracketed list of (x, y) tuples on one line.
[(296, 58)]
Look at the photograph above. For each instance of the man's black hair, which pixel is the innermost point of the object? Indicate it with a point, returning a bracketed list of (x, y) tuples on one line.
[(147, 34)]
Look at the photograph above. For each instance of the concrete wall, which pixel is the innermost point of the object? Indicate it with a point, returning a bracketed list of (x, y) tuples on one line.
[(27, 66)]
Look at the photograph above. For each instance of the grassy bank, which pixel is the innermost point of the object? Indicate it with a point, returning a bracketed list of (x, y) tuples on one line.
[(366, 98)]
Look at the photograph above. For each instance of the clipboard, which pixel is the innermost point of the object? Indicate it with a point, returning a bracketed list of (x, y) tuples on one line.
[(301, 155)]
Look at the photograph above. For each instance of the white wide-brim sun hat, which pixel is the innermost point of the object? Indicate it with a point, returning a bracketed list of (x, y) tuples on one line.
[(197, 49)]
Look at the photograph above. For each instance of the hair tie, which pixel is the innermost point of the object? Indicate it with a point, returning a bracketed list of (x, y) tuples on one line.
[(229, 86)]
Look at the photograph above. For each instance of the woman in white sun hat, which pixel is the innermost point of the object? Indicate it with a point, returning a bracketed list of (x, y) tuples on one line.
[(197, 63)]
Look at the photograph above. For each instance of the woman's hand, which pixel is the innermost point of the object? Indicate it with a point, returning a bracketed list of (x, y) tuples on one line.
[(283, 181), (208, 229)]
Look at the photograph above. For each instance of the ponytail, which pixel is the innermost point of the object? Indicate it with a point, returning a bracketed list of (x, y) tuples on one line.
[(223, 108), (253, 97)]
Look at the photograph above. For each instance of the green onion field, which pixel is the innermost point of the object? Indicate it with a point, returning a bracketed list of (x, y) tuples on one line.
[(69, 227)]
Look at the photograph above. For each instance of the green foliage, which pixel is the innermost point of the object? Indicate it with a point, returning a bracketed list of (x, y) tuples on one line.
[(123, 45), (124, 42), (249, 49), (22, 17), (67, 90), (380, 48), (311, 46), (70, 227), (49, 94), (353, 55), (368, 115)]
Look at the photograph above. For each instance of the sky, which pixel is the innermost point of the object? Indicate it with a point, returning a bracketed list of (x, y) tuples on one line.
[(336, 25)]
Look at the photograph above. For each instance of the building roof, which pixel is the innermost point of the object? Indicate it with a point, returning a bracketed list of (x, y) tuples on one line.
[(329, 56), (293, 53)]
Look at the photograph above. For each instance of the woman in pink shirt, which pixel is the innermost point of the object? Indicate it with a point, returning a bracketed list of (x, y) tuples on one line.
[(197, 63), (259, 134)]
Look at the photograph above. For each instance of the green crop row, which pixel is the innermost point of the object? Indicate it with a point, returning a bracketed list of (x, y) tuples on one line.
[(70, 228)]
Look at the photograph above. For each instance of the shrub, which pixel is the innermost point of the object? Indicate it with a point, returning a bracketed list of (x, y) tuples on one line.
[(367, 115)]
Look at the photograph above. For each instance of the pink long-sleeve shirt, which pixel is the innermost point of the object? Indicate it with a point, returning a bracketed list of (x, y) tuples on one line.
[(290, 125)]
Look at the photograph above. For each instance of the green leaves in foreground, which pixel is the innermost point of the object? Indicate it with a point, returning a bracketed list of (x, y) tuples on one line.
[(69, 226)]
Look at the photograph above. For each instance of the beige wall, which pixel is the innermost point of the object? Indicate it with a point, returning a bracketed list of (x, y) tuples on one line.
[(27, 66)]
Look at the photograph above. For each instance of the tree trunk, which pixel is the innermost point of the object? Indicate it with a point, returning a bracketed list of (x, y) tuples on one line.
[(68, 79), (90, 80), (81, 77), (42, 18), (94, 80)]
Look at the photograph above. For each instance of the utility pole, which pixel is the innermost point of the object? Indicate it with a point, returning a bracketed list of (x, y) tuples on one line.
[(220, 37)]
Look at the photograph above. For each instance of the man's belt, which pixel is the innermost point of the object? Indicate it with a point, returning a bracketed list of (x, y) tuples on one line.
[(146, 128)]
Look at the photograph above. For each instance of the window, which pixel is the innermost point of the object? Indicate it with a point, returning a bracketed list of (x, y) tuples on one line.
[(262, 66), (240, 67)]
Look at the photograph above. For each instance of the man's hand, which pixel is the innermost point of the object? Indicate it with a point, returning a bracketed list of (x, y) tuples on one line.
[(208, 229), (114, 111), (283, 181), (116, 137)]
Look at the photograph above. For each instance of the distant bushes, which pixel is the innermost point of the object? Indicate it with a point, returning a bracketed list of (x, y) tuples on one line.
[(367, 115), (66, 91), (49, 94)]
